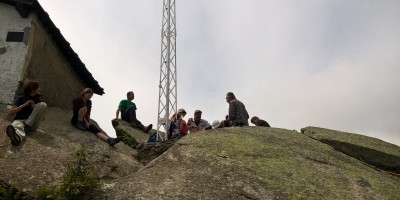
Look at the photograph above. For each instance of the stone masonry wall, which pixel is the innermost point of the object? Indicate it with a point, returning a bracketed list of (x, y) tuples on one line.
[(47, 64), (12, 54)]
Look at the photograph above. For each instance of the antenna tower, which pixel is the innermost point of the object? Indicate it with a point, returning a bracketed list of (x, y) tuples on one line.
[(167, 103)]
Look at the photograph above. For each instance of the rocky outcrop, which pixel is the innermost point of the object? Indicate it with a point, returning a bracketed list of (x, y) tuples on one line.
[(121, 127), (255, 163), (228, 163), (42, 158), (375, 152), (137, 139)]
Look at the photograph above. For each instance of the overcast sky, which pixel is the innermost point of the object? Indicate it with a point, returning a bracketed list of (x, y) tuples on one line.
[(332, 64)]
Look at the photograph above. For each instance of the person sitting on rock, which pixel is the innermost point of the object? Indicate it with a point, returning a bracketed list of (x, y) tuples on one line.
[(29, 112), (178, 127), (259, 122), (238, 115), (197, 124), (128, 113), (82, 106)]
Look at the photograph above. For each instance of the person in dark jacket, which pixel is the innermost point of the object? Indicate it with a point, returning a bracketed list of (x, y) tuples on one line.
[(82, 106), (259, 122), (29, 112)]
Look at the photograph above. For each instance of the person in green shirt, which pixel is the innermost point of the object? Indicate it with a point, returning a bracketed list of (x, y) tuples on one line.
[(128, 113)]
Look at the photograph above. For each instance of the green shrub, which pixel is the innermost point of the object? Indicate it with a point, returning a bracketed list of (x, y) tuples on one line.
[(46, 193), (80, 177), (79, 180), (129, 140)]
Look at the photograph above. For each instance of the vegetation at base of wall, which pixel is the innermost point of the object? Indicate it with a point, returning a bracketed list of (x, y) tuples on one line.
[(47, 193), (9, 192), (79, 180), (129, 140)]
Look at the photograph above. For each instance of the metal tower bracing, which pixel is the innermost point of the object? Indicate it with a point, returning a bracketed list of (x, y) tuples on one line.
[(167, 103)]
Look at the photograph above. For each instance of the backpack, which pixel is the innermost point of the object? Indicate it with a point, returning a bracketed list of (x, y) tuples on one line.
[(153, 138)]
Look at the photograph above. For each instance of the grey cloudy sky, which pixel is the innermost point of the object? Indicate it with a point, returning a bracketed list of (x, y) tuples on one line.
[(332, 64)]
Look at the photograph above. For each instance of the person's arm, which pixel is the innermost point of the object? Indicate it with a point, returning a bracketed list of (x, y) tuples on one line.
[(15, 109), (117, 113), (232, 111)]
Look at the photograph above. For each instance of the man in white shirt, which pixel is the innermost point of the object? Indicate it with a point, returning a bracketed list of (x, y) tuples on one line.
[(197, 124)]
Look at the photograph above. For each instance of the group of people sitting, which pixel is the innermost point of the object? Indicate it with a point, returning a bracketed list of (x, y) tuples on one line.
[(237, 116), (28, 112)]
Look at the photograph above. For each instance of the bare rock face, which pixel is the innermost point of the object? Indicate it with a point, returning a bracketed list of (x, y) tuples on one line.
[(228, 163), (121, 127), (41, 159), (375, 152), (138, 140), (255, 163)]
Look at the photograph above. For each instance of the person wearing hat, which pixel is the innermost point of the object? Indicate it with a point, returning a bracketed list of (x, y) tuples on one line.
[(238, 115), (259, 122), (197, 124), (82, 107), (128, 113), (178, 127)]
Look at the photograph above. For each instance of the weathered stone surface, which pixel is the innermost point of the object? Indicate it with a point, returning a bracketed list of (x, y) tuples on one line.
[(254, 163), (42, 158), (146, 151), (229, 163), (122, 127), (150, 151), (373, 151)]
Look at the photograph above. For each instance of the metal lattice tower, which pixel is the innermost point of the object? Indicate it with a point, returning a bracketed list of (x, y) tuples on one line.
[(167, 103)]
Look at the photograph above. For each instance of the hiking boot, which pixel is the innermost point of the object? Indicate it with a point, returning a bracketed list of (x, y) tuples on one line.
[(14, 137), (148, 128), (113, 141), (80, 125)]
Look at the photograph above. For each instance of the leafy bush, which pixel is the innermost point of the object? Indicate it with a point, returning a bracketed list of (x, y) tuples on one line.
[(129, 140), (79, 180)]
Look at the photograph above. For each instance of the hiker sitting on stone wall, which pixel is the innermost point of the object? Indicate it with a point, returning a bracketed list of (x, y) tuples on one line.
[(82, 107), (29, 112), (259, 122), (128, 113), (238, 115), (197, 123)]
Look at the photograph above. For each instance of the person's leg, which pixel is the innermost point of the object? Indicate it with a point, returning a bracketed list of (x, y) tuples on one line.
[(81, 113), (80, 124), (111, 141), (135, 122), (102, 136), (36, 116), (15, 131), (227, 123)]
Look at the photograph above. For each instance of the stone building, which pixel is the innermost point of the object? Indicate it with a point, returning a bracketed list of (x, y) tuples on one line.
[(32, 47)]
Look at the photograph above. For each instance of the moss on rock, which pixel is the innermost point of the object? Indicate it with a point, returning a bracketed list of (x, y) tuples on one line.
[(378, 153), (256, 163)]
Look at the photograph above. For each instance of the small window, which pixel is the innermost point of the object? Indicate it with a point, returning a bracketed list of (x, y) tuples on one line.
[(15, 37)]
